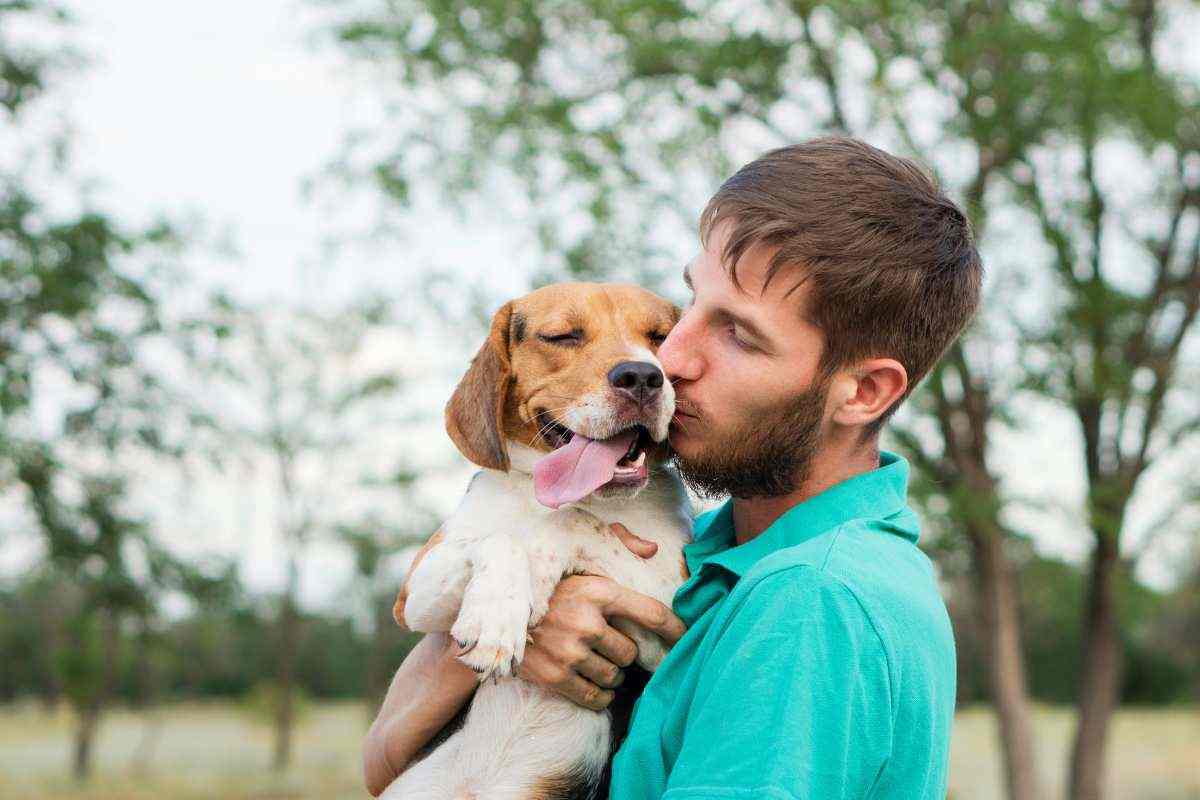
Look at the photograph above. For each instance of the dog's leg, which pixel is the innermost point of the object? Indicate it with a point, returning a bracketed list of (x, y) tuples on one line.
[(494, 618), (435, 589), (549, 559), (650, 648)]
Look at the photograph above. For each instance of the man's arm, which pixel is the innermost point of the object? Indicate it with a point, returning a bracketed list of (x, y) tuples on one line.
[(428, 690), (793, 701)]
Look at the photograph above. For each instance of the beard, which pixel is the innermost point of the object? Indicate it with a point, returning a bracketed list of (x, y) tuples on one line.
[(767, 453)]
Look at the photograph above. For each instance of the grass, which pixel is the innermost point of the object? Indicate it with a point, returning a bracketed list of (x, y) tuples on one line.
[(215, 750), (1154, 754)]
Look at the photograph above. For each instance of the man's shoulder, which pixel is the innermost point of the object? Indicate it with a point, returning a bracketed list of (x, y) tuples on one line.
[(841, 553), (883, 576)]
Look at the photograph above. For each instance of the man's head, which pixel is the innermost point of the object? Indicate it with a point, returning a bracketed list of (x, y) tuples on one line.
[(832, 278)]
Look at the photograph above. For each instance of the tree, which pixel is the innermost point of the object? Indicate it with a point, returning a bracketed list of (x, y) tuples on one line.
[(79, 397), (377, 545), (309, 395)]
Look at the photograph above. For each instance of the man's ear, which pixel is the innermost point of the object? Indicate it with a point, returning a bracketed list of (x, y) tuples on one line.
[(475, 413), (864, 393)]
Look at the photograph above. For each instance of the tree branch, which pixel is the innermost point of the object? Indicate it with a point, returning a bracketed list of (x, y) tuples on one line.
[(1164, 362), (822, 65), (1055, 235)]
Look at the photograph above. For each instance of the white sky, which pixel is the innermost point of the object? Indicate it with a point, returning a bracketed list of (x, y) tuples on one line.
[(221, 108)]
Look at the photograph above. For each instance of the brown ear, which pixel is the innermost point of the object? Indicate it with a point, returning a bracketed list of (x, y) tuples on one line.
[(475, 413)]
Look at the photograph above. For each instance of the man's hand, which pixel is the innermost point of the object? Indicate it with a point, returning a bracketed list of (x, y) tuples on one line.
[(575, 651)]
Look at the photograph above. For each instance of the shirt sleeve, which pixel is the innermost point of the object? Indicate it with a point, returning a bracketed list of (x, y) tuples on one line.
[(793, 701)]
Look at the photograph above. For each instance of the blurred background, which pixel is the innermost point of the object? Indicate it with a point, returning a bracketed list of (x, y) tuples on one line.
[(246, 250)]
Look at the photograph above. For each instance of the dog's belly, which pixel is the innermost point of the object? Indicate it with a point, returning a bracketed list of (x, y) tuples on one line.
[(515, 742)]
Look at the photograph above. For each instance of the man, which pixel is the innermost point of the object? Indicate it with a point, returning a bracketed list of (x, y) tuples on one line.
[(818, 660)]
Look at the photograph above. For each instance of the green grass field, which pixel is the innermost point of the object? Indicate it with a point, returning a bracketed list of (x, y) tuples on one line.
[(214, 750)]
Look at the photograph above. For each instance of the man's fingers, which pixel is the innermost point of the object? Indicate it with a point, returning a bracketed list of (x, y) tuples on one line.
[(539, 669), (643, 548), (600, 671), (616, 647), (585, 693), (647, 612)]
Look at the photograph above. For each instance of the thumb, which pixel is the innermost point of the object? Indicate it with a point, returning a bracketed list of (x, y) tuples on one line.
[(643, 548)]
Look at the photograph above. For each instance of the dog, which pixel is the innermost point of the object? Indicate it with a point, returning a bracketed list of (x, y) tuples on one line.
[(566, 408)]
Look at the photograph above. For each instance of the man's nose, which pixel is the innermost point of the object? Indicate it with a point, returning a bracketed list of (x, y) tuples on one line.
[(679, 354), (639, 380)]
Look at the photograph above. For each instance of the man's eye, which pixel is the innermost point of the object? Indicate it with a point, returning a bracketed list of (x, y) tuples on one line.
[(566, 339), (739, 342)]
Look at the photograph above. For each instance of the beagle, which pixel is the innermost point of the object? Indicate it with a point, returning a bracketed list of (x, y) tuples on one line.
[(566, 409)]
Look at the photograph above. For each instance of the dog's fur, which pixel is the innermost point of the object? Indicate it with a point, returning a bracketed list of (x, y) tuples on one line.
[(491, 577)]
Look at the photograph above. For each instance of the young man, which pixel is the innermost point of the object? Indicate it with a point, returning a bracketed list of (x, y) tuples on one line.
[(818, 660)]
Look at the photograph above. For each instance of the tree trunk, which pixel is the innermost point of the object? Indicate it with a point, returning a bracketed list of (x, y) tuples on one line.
[(1100, 683), (51, 645), (284, 710), (998, 610), (85, 737), (89, 713)]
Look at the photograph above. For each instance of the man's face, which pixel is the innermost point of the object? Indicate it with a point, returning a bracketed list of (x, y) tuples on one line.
[(749, 411)]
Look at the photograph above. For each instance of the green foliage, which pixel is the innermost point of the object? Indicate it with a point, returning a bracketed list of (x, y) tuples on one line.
[(262, 703), (79, 307), (1157, 671), (217, 650)]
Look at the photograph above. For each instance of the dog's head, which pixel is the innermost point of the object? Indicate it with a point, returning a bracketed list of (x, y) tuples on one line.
[(571, 369)]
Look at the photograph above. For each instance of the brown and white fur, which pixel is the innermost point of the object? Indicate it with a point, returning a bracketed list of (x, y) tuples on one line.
[(492, 575)]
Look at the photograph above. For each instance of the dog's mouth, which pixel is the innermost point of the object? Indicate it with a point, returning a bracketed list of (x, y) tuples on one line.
[(578, 465), (557, 435)]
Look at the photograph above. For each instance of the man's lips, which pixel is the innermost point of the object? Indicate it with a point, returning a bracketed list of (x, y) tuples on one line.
[(683, 422), (681, 411)]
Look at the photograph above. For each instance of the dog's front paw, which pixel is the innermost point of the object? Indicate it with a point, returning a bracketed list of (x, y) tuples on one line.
[(493, 637), (650, 649), (651, 652)]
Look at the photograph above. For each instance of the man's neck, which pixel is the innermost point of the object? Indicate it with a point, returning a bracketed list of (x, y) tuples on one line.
[(839, 459)]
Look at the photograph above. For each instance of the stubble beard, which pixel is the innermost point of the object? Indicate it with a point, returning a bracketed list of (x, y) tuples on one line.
[(768, 453)]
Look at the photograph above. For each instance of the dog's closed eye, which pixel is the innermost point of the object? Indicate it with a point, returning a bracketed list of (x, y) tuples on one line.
[(568, 339)]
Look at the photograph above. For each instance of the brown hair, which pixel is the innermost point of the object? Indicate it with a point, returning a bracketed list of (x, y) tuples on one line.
[(892, 261)]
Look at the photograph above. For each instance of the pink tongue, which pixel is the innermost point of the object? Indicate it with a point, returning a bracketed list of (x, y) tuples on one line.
[(578, 468)]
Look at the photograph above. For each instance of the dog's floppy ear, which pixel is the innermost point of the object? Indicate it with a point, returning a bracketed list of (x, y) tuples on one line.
[(475, 413)]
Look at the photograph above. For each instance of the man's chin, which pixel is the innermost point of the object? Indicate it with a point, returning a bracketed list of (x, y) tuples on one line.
[(678, 435)]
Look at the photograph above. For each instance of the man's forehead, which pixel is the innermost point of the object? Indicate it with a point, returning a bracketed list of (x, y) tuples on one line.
[(787, 292), (754, 274)]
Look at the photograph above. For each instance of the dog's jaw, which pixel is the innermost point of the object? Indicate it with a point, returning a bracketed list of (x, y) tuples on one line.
[(522, 458)]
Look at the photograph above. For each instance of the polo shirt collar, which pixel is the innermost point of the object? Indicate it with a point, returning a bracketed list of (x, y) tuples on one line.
[(877, 494)]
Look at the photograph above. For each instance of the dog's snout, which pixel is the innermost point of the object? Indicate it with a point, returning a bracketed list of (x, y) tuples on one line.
[(641, 380)]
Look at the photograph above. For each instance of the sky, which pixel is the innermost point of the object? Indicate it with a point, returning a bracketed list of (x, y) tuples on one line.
[(222, 111)]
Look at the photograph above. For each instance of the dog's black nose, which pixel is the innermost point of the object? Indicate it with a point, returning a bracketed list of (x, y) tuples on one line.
[(641, 380)]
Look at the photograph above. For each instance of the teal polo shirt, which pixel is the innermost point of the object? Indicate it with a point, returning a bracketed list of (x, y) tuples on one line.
[(818, 662)]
